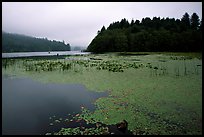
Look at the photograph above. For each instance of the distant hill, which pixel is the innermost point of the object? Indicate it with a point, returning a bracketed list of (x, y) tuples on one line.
[(150, 35), (22, 43), (77, 48)]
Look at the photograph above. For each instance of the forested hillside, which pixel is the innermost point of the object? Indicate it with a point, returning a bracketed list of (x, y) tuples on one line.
[(21, 43), (156, 34)]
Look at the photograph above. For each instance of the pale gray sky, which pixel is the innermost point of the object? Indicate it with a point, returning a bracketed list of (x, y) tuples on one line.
[(77, 23)]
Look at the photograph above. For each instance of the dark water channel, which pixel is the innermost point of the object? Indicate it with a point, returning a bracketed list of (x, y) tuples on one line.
[(27, 105)]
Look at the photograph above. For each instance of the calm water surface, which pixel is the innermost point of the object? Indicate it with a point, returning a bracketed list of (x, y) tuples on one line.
[(28, 104), (51, 53)]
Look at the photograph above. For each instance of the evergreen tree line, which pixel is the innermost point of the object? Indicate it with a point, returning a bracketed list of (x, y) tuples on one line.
[(150, 35), (21, 43)]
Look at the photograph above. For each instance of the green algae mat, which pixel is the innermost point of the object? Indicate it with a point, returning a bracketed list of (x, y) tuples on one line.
[(156, 93)]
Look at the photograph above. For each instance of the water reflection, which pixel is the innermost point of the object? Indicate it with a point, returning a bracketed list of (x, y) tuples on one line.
[(27, 104)]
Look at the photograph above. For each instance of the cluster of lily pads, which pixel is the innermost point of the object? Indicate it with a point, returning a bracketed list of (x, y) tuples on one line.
[(110, 66), (7, 62), (113, 65), (83, 131), (63, 65), (180, 57), (85, 127), (47, 65), (116, 66)]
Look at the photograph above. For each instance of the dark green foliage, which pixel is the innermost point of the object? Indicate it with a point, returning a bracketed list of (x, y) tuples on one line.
[(103, 29), (185, 20), (22, 43), (195, 21), (201, 25), (150, 35)]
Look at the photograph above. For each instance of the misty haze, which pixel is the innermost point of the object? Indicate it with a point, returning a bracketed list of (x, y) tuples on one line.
[(101, 68)]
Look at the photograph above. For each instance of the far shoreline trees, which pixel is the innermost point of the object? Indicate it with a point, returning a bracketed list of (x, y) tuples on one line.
[(150, 35), (22, 43)]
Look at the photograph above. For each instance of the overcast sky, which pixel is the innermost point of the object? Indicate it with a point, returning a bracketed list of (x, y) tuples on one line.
[(77, 23)]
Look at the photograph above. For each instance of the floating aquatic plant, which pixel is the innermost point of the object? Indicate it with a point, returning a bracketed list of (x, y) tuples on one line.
[(162, 105)]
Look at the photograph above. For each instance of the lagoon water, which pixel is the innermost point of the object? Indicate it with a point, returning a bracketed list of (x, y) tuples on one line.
[(35, 54), (28, 104)]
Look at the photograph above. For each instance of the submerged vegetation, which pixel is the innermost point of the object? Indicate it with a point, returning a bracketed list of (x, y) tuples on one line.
[(156, 93)]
